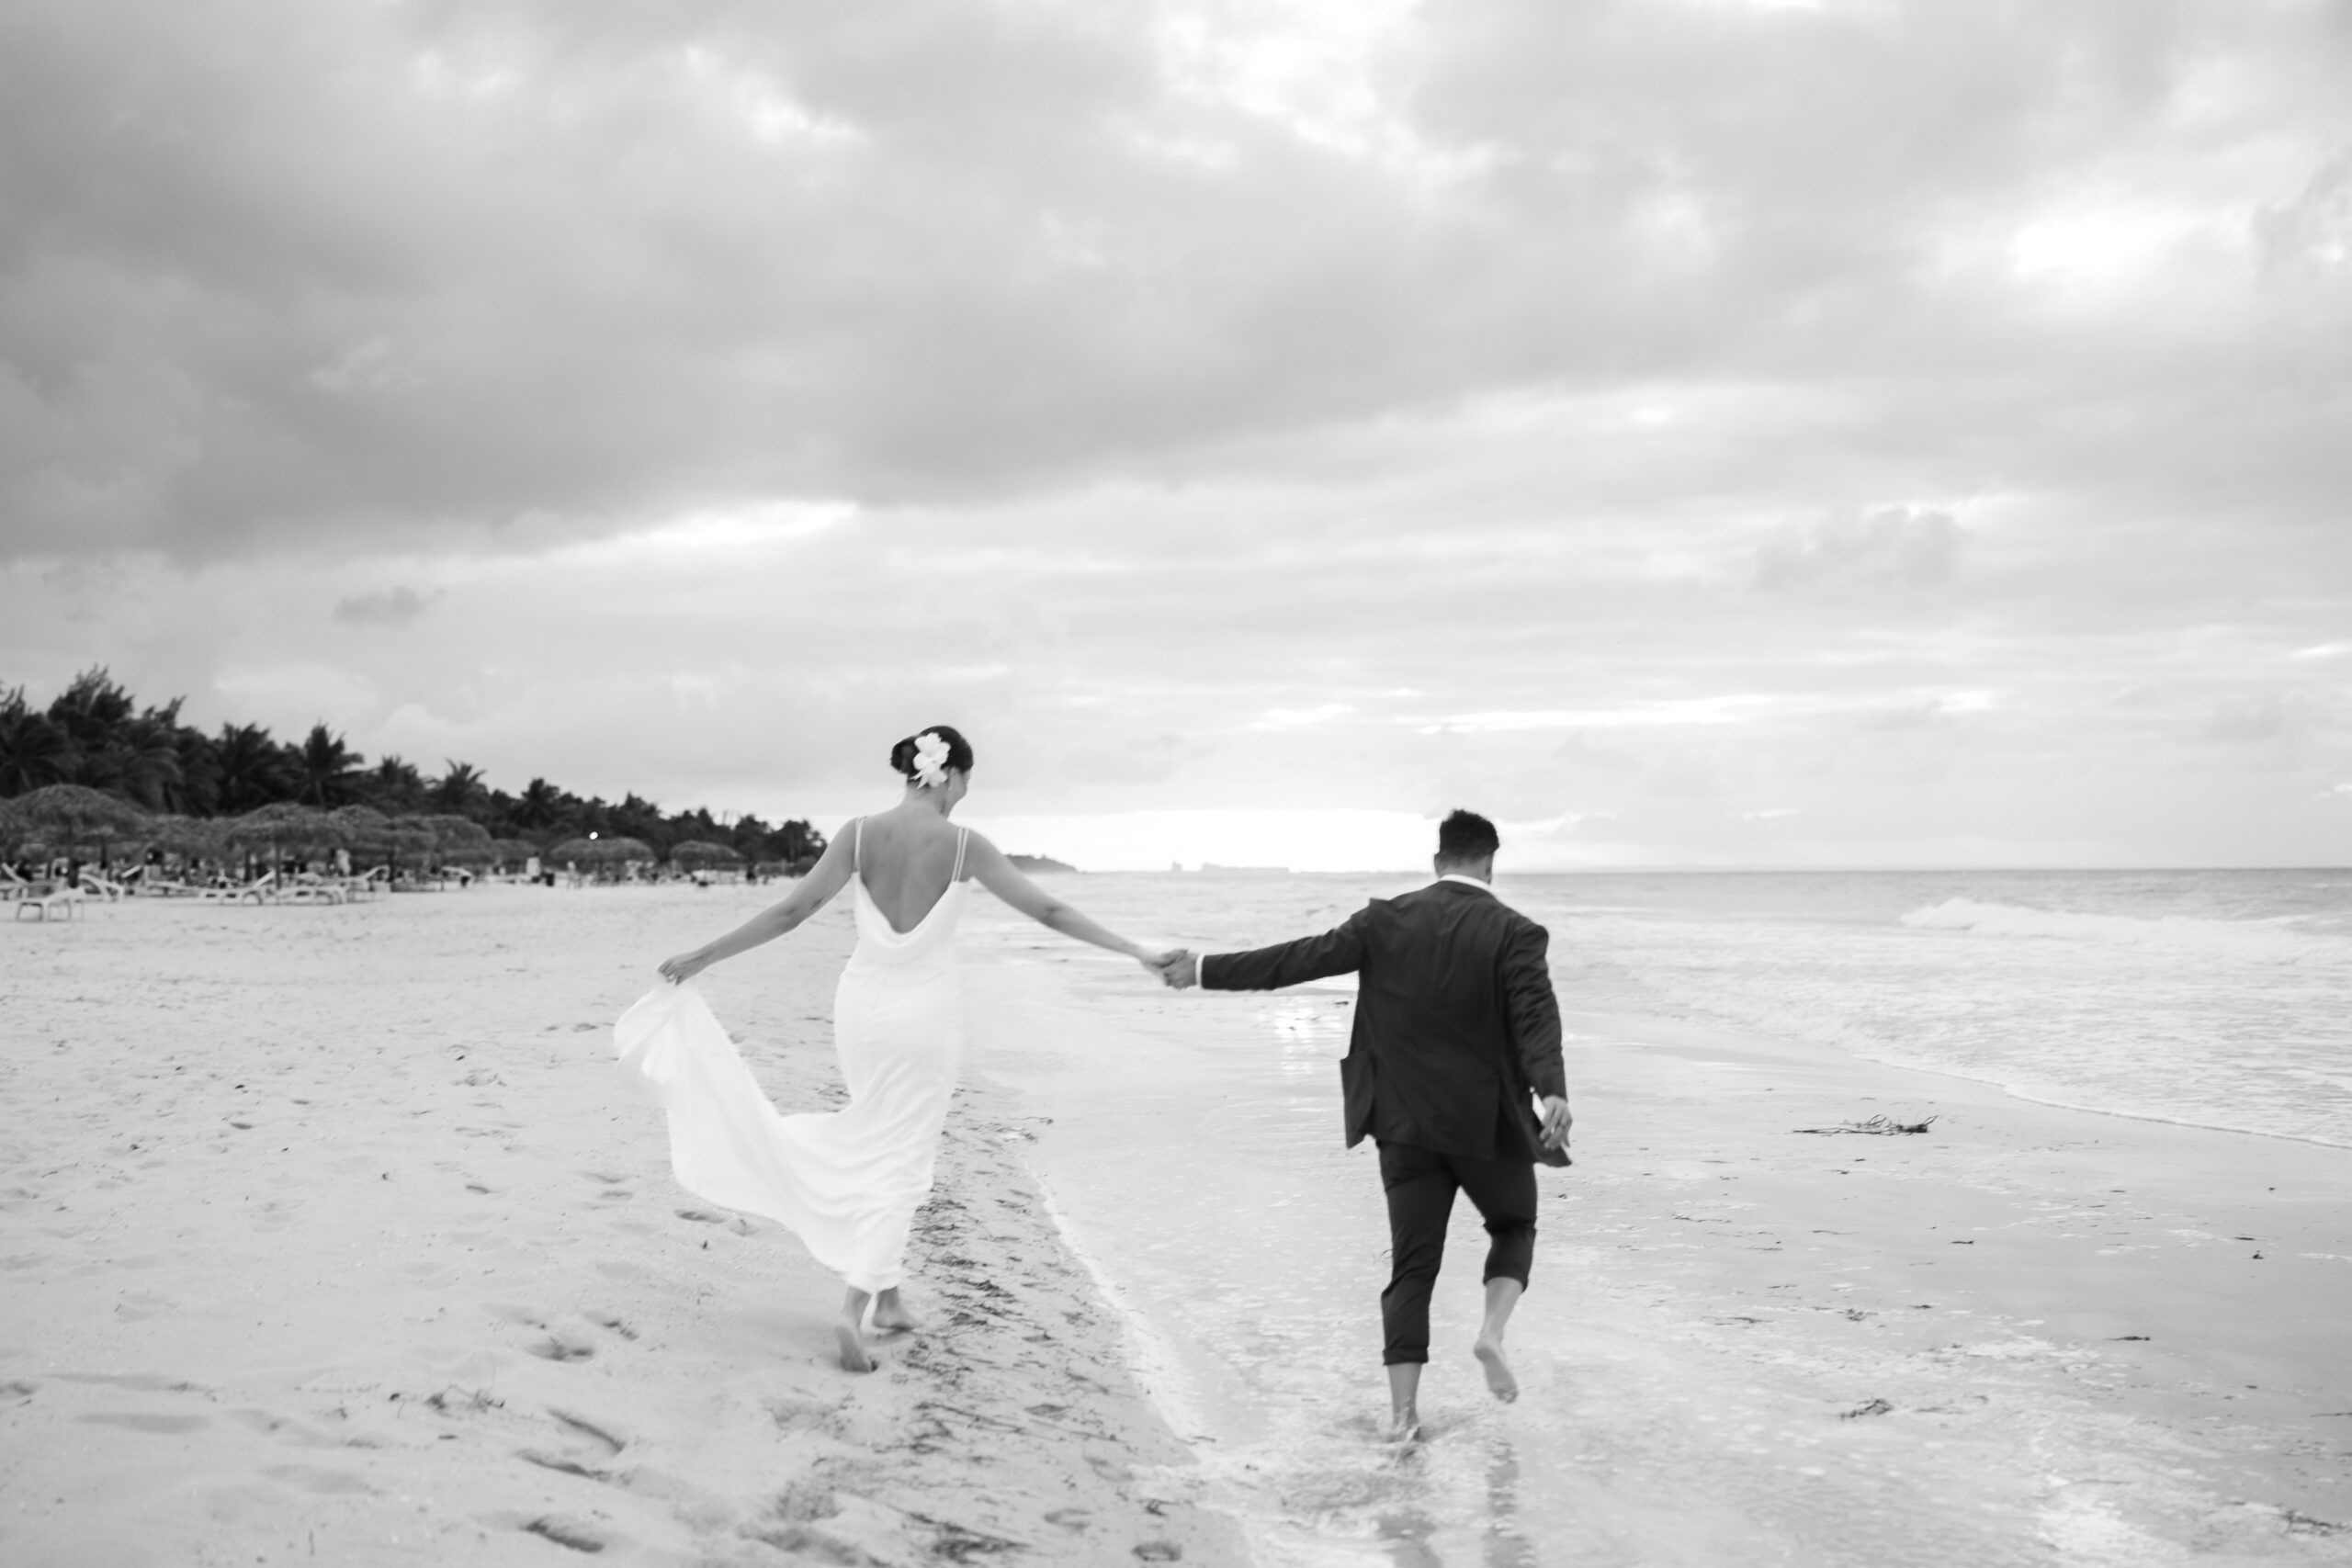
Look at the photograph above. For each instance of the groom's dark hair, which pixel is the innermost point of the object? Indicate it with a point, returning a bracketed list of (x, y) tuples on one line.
[(1466, 835)]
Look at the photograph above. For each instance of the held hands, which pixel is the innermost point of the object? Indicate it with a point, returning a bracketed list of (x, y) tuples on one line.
[(1177, 967), (1556, 1121)]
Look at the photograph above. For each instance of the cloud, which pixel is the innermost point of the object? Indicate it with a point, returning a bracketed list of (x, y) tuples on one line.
[(419, 271), (1662, 413), (392, 607), (1899, 547), (2255, 720)]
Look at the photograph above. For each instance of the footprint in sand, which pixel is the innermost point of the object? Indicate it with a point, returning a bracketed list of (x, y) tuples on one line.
[(139, 1421), (562, 1348), (799, 1414), (577, 1534), (145, 1382), (599, 1434), (270, 1425), (322, 1483), (560, 1464), (586, 1443)]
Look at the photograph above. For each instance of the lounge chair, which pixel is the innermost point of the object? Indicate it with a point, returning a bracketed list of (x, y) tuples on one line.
[(315, 890), (53, 899), (262, 889), (104, 886)]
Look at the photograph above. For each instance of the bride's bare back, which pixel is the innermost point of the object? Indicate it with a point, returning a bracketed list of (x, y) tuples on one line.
[(906, 857)]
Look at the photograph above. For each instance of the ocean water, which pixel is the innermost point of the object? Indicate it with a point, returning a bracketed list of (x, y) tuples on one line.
[(1189, 1149), (2217, 997)]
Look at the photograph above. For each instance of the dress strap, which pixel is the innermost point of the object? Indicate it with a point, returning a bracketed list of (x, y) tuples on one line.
[(962, 836), (857, 842)]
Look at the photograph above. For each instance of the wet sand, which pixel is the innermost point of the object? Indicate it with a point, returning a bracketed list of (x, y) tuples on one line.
[(2028, 1336), (329, 1234)]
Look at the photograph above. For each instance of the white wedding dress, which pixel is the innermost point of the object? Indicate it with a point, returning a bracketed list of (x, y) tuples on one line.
[(847, 1181)]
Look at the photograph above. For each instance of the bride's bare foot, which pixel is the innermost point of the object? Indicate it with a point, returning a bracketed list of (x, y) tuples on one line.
[(894, 1320), (852, 1344), (1499, 1383)]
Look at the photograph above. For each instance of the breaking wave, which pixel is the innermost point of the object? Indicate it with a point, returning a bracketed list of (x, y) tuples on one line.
[(2279, 938)]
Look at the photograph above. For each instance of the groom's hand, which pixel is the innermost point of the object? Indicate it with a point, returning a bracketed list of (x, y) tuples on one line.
[(1556, 1121), (1180, 969)]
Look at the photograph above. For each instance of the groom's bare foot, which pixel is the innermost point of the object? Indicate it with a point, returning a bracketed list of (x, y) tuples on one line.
[(852, 1344), (1404, 1430), (1499, 1383)]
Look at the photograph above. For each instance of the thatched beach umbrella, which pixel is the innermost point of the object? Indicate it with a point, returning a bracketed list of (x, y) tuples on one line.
[(190, 838), (455, 838), (411, 837), (364, 829), (613, 850), (284, 825), (610, 851), (284, 822), (72, 817), (512, 852), (696, 853), (482, 854)]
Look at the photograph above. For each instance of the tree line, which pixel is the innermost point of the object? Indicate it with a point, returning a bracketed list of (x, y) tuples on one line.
[(97, 733)]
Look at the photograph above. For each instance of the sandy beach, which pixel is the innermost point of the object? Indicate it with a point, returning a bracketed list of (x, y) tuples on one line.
[(332, 1235)]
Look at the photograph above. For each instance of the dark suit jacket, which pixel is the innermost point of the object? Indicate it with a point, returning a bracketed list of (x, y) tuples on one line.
[(1456, 1020)]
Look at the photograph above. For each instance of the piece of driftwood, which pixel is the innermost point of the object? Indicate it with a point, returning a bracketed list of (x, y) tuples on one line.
[(1884, 1126)]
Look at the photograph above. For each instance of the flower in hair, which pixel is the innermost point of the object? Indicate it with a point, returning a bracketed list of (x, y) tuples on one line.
[(931, 760)]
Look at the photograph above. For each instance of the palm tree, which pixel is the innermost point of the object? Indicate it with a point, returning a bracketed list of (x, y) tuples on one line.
[(196, 793), (541, 806), (460, 789), (33, 751), (143, 762), (253, 768), (394, 786), (92, 710), (323, 768)]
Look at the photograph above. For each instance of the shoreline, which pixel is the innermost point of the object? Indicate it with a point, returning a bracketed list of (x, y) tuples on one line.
[(1636, 1023), (333, 1230), (1744, 1343)]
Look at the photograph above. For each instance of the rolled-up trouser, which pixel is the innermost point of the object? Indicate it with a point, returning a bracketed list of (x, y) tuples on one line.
[(1420, 1185)]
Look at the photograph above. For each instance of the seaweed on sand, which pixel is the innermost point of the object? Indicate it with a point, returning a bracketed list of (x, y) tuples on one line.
[(1883, 1126)]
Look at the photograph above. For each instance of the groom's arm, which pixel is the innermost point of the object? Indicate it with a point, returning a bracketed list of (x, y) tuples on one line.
[(1336, 952), (1535, 1011)]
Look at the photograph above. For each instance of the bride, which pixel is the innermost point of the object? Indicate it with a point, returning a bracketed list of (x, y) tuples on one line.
[(849, 1182)]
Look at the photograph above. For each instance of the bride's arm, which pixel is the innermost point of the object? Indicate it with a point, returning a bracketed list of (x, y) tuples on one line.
[(811, 894), (1001, 878)]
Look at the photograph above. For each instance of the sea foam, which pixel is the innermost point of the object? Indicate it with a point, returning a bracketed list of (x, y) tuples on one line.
[(2278, 937)]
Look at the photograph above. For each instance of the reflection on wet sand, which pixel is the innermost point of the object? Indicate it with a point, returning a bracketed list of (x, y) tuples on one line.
[(1426, 1529)]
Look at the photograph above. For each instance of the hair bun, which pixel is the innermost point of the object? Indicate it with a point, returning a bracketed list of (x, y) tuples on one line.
[(906, 756)]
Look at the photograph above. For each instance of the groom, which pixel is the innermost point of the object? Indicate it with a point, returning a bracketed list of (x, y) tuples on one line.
[(1455, 1025)]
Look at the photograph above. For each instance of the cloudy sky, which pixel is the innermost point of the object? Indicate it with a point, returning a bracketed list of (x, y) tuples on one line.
[(1696, 431)]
